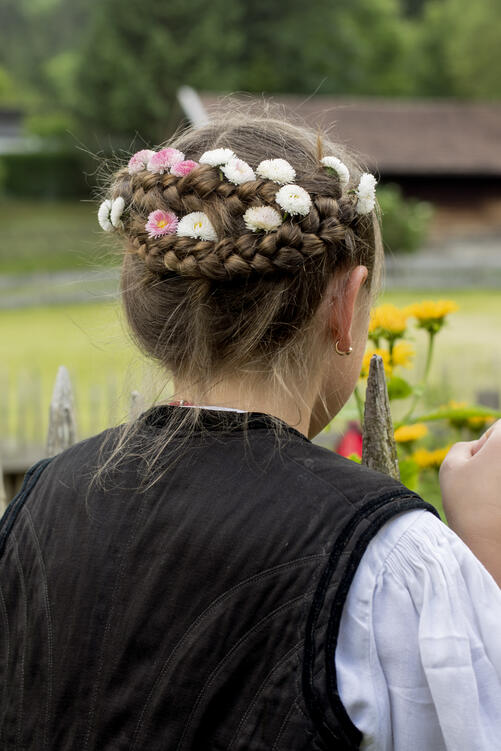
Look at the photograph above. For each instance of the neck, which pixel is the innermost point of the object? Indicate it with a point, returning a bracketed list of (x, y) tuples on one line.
[(253, 398)]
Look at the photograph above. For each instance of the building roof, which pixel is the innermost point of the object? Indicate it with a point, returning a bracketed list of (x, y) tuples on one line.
[(405, 136)]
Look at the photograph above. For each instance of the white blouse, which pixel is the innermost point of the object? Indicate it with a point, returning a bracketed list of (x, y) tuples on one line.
[(419, 652), (418, 659)]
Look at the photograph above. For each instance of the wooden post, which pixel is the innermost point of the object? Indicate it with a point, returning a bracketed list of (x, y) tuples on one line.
[(379, 450), (62, 423)]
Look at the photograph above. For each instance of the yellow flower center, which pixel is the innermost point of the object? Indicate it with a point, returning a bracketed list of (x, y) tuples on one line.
[(197, 225), (161, 223)]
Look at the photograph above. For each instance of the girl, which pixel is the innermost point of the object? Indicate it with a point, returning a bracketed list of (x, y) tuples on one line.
[(206, 577)]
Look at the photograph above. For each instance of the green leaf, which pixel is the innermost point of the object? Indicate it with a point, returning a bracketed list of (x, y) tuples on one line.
[(399, 388), (409, 473), (457, 413)]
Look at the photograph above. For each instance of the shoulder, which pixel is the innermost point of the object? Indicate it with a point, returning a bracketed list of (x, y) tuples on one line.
[(328, 468)]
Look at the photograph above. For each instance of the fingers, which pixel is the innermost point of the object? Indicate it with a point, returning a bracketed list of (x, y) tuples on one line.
[(494, 429)]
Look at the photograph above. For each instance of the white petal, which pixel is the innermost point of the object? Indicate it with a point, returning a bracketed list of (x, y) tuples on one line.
[(262, 218), (103, 215), (294, 199), (116, 212), (215, 157), (196, 225), (238, 172), (277, 170), (338, 166)]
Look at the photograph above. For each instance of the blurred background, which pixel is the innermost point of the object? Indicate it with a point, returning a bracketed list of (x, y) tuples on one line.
[(414, 85)]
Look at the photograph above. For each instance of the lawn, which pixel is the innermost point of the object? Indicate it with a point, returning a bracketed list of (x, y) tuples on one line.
[(91, 340), (51, 236)]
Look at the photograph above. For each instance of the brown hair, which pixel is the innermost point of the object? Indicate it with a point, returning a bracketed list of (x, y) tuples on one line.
[(245, 303)]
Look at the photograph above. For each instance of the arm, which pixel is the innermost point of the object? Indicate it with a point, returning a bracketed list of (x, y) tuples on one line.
[(470, 481)]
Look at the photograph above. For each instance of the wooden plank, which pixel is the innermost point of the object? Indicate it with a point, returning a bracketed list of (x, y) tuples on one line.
[(379, 449), (62, 421)]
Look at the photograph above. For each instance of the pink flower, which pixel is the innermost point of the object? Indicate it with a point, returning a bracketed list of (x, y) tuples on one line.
[(139, 160), (162, 160), (161, 223), (180, 169)]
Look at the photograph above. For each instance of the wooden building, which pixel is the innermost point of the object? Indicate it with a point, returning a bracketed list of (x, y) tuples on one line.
[(442, 150)]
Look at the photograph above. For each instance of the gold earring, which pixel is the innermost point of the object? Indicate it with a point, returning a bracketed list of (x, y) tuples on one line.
[(340, 352)]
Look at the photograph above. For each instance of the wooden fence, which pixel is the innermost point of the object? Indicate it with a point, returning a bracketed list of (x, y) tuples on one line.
[(379, 451)]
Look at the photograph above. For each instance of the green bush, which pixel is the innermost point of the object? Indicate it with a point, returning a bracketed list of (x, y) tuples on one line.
[(44, 174), (406, 221)]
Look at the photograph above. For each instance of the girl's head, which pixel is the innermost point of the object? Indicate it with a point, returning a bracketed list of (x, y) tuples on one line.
[(264, 306)]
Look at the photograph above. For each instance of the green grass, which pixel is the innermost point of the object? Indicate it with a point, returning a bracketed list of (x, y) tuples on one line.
[(40, 236), (91, 340)]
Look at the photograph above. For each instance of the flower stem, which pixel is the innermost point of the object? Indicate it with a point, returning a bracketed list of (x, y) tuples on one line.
[(420, 388)]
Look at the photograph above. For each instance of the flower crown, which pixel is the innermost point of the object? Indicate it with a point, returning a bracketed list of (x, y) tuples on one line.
[(292, 198)]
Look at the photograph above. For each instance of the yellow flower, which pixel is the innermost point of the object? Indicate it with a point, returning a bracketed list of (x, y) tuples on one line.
[(430, 459), (430, 314), (474, 423), (477, 423), (383, 353), (387, 321), (431, 309), (408, 433), (403, 352)]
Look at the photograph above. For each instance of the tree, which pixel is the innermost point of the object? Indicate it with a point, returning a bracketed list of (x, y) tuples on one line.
[(460, 49), (135, 55)]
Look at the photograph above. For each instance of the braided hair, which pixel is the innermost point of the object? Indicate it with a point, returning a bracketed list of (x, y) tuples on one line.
[(242, 297)]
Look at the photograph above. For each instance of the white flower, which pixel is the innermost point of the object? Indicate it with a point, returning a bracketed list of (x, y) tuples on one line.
[(278, 170), (339, 167), (366, 193), (196, 225), (262, 217), (117, 207), (237, 171), (294, 199), (103, 215), (216, 157)]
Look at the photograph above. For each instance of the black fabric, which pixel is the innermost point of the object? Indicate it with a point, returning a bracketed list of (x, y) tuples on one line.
[(202, 613)]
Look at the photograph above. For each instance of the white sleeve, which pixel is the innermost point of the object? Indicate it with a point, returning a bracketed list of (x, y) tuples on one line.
[(418, 659)]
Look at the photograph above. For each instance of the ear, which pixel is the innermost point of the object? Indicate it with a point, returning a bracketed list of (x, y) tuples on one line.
[(344, 304)]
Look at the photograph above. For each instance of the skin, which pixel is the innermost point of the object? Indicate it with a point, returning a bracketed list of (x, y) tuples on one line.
[(470, 482), (345, 317)]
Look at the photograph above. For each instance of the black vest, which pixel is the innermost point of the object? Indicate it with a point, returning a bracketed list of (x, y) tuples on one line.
[(201, 614)]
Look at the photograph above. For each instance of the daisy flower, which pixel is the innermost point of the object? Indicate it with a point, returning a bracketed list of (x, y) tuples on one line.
[(262, 218), (294, 199), (161, 223), (216, 157), (277, 170), (161, 161), (139, 161), (103, 215), (196, 225), (366, 193), (180, 169), (341, 170), (116, 211), (237, 171)]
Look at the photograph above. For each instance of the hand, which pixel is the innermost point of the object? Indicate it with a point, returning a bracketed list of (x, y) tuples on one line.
[(470, 481)]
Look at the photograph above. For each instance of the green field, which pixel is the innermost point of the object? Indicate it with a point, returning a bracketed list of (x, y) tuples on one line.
[(51, 236), (105, 367), (92, 342)]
